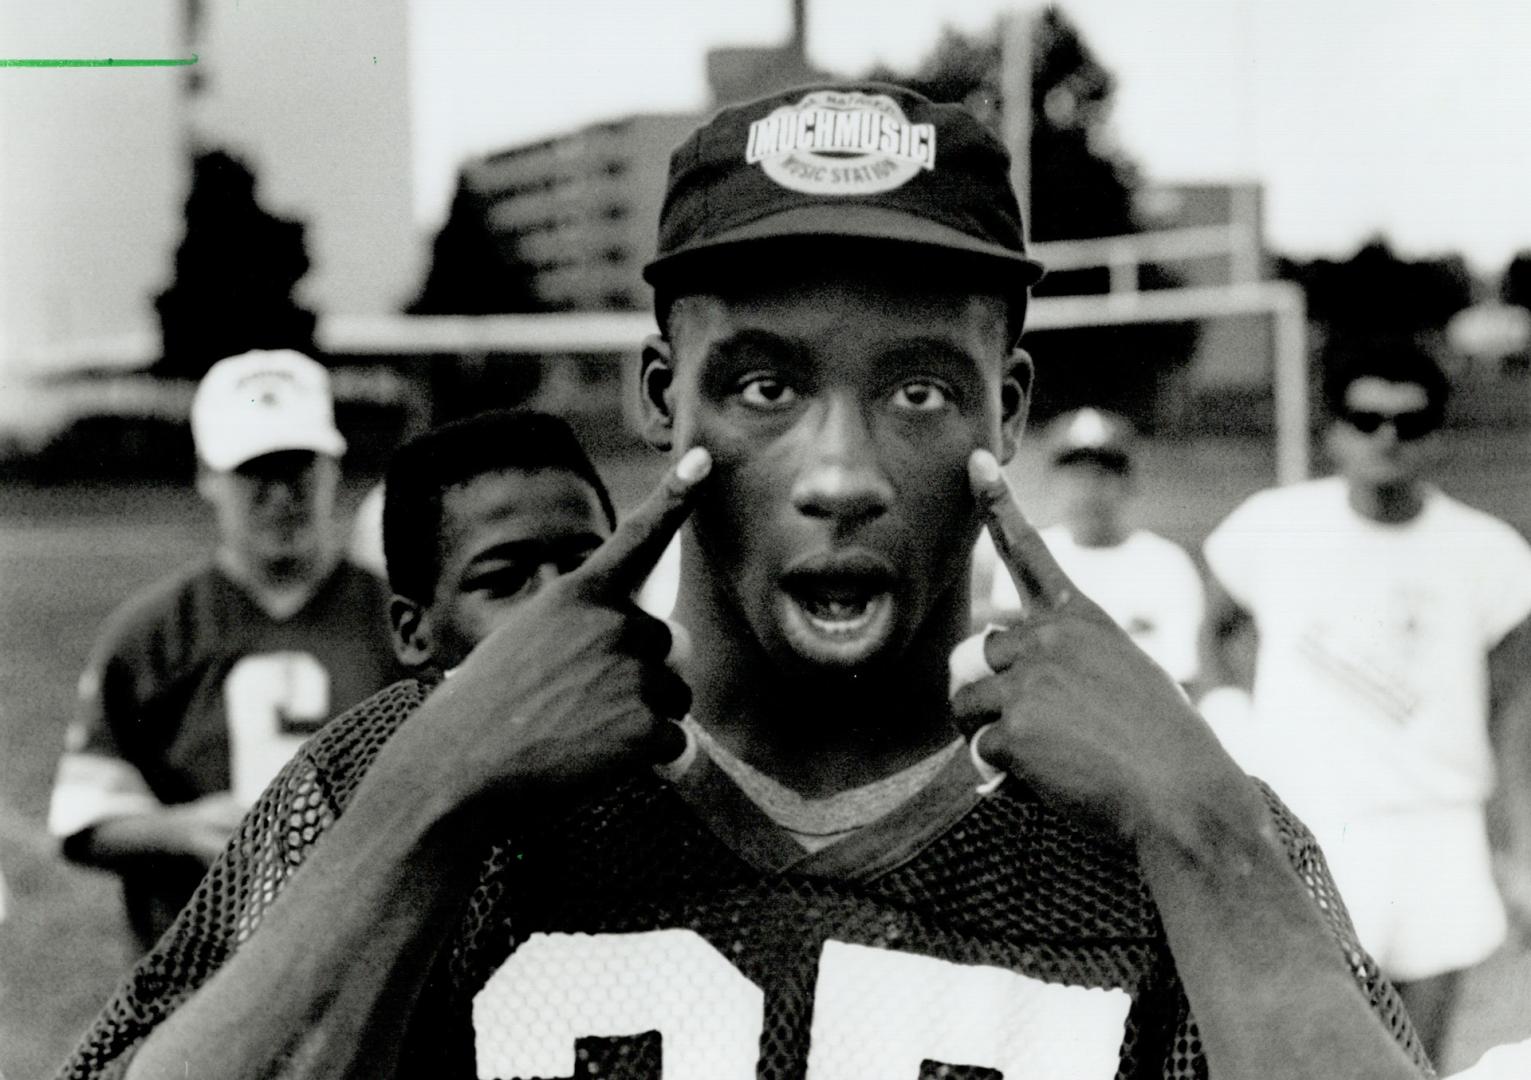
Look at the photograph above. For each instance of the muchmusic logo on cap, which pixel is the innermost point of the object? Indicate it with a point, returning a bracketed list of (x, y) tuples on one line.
[(841, 143)]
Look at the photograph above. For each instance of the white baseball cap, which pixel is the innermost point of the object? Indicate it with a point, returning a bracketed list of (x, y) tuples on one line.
[(261, 402)]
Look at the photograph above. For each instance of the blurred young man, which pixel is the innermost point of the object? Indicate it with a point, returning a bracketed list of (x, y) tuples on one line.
[(1148, 584), (202, 686), (811, 883), (478, 515), (1392, 630)]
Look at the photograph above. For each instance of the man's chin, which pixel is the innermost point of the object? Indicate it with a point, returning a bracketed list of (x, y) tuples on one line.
[(838, 637), (294, 562)]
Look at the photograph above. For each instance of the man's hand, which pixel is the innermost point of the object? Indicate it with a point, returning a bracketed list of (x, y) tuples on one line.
[(200, 828), (1077, 710), (1100, 732), (573, 687), (203, 826)]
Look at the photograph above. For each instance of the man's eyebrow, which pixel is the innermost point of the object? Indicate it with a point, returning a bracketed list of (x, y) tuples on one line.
[(926, 349), (513, 550), (750, 339)]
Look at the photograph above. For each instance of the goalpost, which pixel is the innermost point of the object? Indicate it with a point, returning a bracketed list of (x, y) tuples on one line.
[(619, 333)]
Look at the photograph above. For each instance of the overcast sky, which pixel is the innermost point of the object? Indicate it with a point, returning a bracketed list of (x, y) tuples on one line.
[(1406, 117)]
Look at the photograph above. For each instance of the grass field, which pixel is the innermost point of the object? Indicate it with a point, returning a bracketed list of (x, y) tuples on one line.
[(68, 555)]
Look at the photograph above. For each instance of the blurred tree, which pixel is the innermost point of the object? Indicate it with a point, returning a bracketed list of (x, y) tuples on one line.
[(1375, 291), (472, 271), (235, 272), (1082, 187), (1515, 286), (1377, 300)]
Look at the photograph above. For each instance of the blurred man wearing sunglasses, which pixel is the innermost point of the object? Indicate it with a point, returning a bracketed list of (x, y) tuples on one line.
[(1392, 625)]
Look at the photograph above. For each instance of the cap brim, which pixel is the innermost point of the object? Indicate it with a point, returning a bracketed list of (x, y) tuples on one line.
[(852, 221), (226, 457), (1109, 456)]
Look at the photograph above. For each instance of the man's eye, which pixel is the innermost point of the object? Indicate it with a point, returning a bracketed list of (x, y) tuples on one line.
[(766, 392), (920, 396), (572, 560), (506, 581)]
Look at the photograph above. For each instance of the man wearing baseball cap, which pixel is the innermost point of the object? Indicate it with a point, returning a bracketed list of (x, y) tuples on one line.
[(201, 686), (1148, 584), (818, 834)]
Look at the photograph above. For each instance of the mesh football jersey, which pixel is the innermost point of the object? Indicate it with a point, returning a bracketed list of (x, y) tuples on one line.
[(661, 931)]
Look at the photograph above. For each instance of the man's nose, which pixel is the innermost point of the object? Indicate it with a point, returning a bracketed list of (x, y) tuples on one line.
[(1386, 434), (280, 491), (842, 478)]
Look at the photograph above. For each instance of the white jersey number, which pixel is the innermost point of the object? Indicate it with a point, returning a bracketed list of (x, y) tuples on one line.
[(265, 697), (877, 1013)]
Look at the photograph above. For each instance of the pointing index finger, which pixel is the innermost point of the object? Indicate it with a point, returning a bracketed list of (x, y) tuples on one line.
[(1037, 575), (622, 563)]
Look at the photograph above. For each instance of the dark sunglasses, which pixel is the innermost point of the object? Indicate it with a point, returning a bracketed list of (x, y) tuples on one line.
[(1406, 425)]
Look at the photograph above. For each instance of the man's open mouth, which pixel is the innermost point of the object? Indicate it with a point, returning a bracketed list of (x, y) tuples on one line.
[(839, 606)]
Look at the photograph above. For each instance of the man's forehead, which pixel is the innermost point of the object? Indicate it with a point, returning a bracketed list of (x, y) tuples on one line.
[(498, 493), (801, 305), (1372, 393)]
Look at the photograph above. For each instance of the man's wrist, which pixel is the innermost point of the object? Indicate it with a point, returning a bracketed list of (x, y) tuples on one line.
[(1221, 824)]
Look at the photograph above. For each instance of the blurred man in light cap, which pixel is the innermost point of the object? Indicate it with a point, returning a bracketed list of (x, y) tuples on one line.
[(1147, 584), (202, 686)]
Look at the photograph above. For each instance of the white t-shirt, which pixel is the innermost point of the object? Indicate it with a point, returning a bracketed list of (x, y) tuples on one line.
[(1147, 584), (1371, 679), (1509, 1062)]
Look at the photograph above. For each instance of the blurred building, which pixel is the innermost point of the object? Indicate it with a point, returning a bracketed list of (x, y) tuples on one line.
[(580, 208), (94, 162), (739, 74), (1235, 205), (1232, 353)]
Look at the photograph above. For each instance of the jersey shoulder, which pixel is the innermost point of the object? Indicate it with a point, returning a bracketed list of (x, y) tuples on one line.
[(161, 603), (167, 624), (344, 749), (1464, 520), (351, 580), (1160, 549), (1291, 504)]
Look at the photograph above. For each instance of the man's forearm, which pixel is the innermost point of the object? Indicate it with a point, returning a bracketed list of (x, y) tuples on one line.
[(325, 985), (119, 842), (1268, 983)]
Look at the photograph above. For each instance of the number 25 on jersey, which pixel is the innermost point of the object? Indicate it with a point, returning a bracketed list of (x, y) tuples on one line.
[(877, 1014)]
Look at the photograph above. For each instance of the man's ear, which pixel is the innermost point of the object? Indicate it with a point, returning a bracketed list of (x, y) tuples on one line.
[(411, 626), (1014, 401), (656, 389)]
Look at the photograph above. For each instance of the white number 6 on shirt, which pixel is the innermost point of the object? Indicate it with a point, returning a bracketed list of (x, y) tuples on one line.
[(262, 695)]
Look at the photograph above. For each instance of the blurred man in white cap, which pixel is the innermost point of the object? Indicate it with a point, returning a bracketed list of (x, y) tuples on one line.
[(201, 687), (1147, 584)]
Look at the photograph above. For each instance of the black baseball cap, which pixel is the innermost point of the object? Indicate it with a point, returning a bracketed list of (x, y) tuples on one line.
[(860, 160)]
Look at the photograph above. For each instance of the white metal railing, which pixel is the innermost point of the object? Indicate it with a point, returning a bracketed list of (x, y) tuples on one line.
[(1124, 254)]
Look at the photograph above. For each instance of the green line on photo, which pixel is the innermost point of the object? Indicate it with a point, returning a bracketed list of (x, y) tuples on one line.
[(106, 62)]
